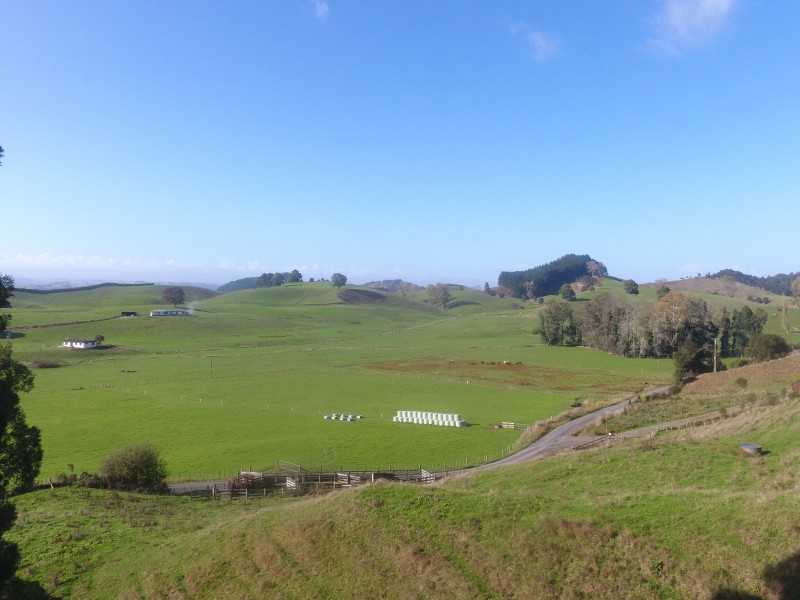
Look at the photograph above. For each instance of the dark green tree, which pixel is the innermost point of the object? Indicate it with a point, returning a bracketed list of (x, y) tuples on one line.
[(745, 323), (630, 286), (1, 154), (264, 280), (662, 291), (6, 291), (599, 322), (295, 276), (567, 292), (487, 290), (766, 346), (173, 295), (338, 280), (725, 333), (691, 360), (557, 324), (277, 279), (20, 453), (15, 378), (439, 295)]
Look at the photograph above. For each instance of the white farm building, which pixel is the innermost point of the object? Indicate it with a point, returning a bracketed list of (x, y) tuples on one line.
[(78, 343), (170, 312)]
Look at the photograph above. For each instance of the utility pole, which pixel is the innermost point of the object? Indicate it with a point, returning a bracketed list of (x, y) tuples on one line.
[(715, 355)]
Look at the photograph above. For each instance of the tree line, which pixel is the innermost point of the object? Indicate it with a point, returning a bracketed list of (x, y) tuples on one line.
[(267, 280), (676, 325), (777, 284)]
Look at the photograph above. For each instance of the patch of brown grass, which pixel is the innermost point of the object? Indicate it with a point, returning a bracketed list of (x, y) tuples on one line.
[(505, 373), (772, 375)]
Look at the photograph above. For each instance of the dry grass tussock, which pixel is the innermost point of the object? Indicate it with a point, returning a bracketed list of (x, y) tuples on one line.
[(773, 374), (750, 418)]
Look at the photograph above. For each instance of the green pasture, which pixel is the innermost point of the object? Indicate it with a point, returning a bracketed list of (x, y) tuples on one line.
[(687, 516), (246, 380)]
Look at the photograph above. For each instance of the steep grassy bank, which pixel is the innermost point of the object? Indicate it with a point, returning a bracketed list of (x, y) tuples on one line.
[(684, 516)]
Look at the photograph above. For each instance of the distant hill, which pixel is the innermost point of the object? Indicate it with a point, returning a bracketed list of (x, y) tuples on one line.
[(394, 285), (59, 290), (246, 283), (777, 284)]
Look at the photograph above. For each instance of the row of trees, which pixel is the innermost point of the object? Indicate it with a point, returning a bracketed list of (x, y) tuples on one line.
[(266, 280), (657, 330), (782, 283), (278, 279)]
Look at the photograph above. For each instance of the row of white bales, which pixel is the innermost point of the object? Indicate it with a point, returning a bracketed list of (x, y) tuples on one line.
[(429, 418)]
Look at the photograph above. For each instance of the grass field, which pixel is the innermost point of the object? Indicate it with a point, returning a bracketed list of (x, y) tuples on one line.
[(682, 515), (246, 380), (689, 516)]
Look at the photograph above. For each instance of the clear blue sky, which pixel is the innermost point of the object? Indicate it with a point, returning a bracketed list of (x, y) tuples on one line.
[(440, 140)]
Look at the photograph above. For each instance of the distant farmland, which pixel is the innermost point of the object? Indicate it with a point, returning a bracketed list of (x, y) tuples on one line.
[(247, 380)]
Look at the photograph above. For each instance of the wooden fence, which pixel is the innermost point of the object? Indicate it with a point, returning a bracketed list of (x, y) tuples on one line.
[(295, 479)]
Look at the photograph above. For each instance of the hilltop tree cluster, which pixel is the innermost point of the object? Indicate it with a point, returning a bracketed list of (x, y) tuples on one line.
[(782, 283), (278, 279), (547, 279)]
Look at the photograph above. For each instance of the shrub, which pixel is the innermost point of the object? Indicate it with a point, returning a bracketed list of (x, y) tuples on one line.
[(136, 467), (766, 346), (741, 382)]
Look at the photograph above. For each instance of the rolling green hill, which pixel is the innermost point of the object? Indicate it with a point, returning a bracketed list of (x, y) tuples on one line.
[(246, 380), (683, 515)]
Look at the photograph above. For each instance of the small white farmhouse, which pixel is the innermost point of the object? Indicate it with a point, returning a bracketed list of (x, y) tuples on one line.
[(77, 343)]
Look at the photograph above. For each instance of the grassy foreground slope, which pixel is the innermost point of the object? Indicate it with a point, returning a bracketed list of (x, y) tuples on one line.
[(685, 515), (246, 381)]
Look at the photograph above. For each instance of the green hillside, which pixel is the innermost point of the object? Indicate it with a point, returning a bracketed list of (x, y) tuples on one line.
[(246, 380), (684, 515)]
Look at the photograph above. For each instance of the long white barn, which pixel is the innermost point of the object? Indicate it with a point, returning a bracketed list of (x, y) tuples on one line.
[(78, 343), (170, 312)]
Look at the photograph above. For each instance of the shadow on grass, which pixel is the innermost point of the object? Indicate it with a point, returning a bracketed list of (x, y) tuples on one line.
[(782, 581), (11, 335), (19, 589), (461, 303)]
